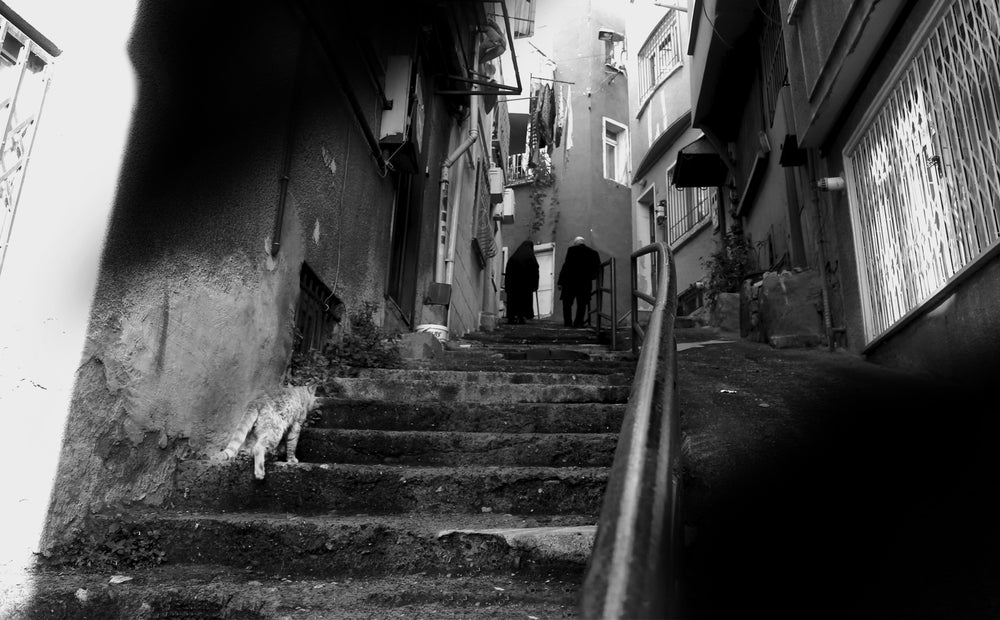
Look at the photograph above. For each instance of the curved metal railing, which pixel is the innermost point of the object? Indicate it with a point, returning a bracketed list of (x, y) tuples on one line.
[(634, 566), (606, 285)]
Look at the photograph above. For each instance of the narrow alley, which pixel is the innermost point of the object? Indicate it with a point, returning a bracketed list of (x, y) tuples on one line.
[(778, 219)]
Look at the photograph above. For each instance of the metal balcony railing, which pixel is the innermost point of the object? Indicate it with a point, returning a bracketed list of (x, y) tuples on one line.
[(634, 566), (606, 312)]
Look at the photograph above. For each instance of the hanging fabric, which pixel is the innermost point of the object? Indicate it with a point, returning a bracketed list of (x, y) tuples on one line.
[(569, 117), (560, 116)]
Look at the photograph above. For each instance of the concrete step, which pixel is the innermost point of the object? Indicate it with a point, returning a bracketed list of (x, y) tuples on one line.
[(361, 545), (207, 591), (319, 445), (469, 417), (461, 391), (495, 362), (522, 351), (484, 377), (536, 337), (310, 488)]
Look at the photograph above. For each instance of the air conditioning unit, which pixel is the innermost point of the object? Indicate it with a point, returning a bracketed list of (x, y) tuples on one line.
[(508, 207), (401, 129), (496, 183)]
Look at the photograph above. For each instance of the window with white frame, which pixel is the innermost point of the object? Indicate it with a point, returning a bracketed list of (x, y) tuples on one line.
[(659, 54), (25, 70), (687, 207), (615, 151)]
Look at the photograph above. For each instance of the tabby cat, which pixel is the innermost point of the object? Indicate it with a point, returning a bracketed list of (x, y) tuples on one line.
[(271, 416)]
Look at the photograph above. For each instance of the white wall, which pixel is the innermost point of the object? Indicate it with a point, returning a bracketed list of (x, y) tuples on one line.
[(50, 269)]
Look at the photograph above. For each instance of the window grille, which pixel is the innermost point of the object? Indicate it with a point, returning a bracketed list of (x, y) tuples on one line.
[(687, 208), (925, 172), (24, 77), (659, 55), (773, 64)]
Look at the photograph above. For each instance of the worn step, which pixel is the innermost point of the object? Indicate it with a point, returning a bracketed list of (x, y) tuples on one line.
[(522, 351), (535, 335), (379, 489), (469, 417), (319, 445), (211, 591), (484, 377), (461, 391), (501, 364), (359, 545)]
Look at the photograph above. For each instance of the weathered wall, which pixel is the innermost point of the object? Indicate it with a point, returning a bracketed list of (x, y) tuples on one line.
[(586, 203), (957, 339), (344, 204), (766, 221), (837, 230), (191, 314)]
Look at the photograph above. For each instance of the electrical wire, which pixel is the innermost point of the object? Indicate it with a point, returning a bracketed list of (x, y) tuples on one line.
[(340, 221), (714, 29), (765, 14)]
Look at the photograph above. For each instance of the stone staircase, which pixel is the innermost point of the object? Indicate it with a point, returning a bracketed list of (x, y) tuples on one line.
[(464, 486)]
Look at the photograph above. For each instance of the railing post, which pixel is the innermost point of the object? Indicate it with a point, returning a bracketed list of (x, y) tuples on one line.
[(633, 570), (614, 306)]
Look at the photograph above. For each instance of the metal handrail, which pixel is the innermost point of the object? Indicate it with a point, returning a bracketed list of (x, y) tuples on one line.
[(599, 306), (634, 566)]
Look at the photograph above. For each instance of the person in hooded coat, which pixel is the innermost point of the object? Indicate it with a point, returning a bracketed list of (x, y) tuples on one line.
[(520, 282), (578, 271)]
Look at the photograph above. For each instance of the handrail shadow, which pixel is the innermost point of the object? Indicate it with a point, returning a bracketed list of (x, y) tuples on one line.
[(634, 566)]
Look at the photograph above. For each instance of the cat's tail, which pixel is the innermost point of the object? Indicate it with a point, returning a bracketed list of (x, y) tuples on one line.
[(240, 434)]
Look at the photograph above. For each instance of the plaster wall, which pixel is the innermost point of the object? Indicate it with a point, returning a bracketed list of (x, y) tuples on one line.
[(833, 222), (192, 315), (696, 246), (672, 98), (766, 221), (588, 204), (957, 339)]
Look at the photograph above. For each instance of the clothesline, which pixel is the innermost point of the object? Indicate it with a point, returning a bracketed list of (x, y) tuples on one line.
[(540, 79)]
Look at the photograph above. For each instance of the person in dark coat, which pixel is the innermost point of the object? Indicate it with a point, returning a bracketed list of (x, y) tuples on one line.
[(520, 282), (579, 269)]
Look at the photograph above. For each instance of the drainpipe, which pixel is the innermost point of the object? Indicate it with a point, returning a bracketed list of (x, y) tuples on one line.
[(445, 264), (821, 251)]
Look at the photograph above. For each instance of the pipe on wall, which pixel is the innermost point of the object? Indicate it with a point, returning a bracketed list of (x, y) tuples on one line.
[(444, 265), (291, 127)]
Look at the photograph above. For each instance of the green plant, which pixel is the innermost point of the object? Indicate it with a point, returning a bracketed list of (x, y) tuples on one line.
[(121, 544), (729, 265), (362, 346)]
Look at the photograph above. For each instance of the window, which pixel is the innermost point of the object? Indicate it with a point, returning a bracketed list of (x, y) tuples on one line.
[(615, 151), (774, 67), (687, 207), (659, 55), (924, 168), (614, 53), (24, 76)]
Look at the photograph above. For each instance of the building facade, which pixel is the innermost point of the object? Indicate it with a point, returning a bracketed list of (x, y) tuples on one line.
[(570, 159), (297, 173), (686, 218), (861, 141)]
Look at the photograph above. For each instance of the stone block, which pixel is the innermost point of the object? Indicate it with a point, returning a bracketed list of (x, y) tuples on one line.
[(419, 345), (784, 309)]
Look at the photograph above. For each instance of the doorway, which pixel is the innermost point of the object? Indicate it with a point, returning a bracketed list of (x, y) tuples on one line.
[(545, 255)]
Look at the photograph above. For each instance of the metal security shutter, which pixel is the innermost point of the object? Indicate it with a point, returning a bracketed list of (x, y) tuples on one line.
[(925, 171)]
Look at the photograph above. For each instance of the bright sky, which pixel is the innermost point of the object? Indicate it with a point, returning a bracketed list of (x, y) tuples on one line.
[(50, 268)]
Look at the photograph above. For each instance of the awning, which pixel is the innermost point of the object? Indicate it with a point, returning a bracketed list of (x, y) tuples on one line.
[(698, 165)]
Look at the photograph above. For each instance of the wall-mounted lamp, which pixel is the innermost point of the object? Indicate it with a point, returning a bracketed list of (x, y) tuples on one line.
[(831, 184), (660, 211)]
